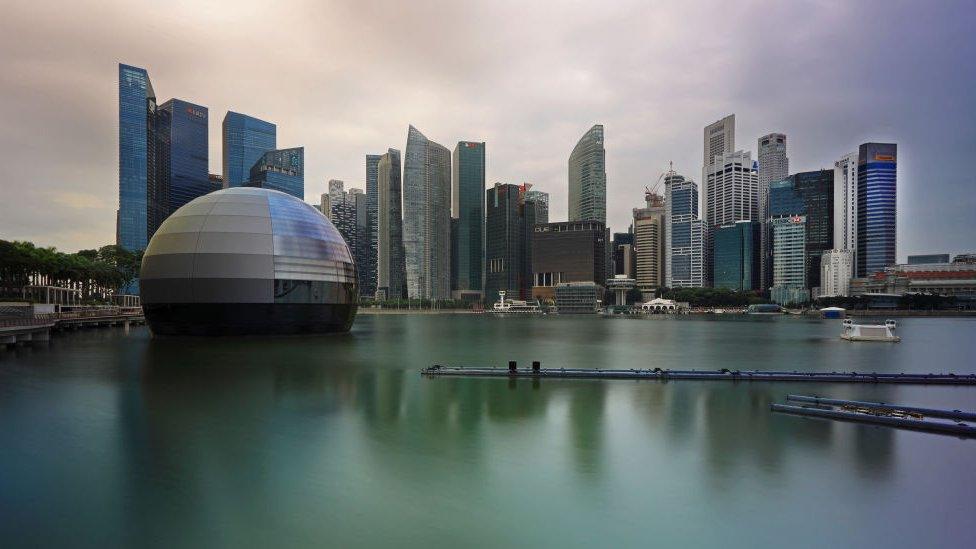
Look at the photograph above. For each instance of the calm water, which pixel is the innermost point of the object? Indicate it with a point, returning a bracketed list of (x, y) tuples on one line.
[(111, 439)]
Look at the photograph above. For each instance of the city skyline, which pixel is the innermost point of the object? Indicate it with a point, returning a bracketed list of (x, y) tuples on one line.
[(529, 128)]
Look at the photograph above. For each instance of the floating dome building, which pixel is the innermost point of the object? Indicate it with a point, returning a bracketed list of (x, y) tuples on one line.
[(248, 261)]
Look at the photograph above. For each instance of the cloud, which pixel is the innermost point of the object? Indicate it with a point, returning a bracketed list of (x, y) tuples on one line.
[(344, 79)]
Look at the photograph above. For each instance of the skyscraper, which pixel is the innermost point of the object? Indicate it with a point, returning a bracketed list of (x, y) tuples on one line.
[(685, 234), (836, 271), (810, 195), (281, 170), (588, 178), (427, 217), (535, 211), (774, 165), (845, 204), (732, 189), (369, 280), (876, 207), (567, 252), (391, 276), (139, 193), (719, 140), (342, 212), (789, 260), (650, 242), (245, 140), (468, 207), (183, 159), (504, 228), (736, 261)]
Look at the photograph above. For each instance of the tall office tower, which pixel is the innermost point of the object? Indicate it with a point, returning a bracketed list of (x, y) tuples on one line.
[(845, 204), (719, 140), (142, 202), (535, 211), (588, 178), (245, 140), (876, 207), (567, 252), (391, 275), (281, 170), (650, 242), (731, 195), (427, 217), (504, 235), (468, 208), (342, 212), (811, 195), (183, 160), (836, 271), (326, 205), (789, 260), (361, 252), (685, 234), (624, 260), (774, 165), (371, 200), (737, 256)]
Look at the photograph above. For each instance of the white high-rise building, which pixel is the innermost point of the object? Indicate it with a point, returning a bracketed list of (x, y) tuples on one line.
[(836, 270), (719, 140), (845, 204), (732, 189), (774, 165)]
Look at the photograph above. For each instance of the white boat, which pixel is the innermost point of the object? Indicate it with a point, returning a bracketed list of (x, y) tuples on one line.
[(513, 306), (866, 332)]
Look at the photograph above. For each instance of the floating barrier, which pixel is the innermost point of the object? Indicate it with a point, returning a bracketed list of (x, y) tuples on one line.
[(883, 407), (702, 375), (941, 427)]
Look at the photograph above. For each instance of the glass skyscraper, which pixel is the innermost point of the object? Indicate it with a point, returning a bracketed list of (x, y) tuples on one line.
[(737, 256), (790, 281), (281, 170), (391, 276), (504, 238), (427, 217), (138, 189), (808, 194), (876, 207), (588, 178), (468, 207), (685, 234), (183, 158), (369, 278), (245, 140)]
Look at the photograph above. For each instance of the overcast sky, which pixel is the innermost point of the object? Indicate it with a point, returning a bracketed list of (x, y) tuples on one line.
[(344, 79)]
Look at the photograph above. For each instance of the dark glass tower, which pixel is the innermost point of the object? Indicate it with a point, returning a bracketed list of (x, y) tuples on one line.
[(468, 207), (245, 140), (183, 159), (504, 239), (809, 194), (368, 286), (391, 275), (876, 207), (140, 198), (281, 170), (737, 256)]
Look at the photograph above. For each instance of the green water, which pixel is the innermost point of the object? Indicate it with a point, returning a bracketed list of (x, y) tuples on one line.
[(110, 439)]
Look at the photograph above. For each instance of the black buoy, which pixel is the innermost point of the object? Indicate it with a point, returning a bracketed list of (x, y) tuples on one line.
[(511, 366), (536, 365)]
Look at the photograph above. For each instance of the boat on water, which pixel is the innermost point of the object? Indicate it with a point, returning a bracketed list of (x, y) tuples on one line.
[(514, 306), (869, 332)]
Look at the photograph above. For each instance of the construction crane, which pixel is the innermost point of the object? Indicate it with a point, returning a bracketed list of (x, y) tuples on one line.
[(650, 192)]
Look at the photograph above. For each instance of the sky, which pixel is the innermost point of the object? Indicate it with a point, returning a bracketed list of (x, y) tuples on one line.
[(345, 79)]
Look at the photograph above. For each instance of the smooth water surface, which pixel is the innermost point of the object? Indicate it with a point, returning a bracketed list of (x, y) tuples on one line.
[(114, 439)]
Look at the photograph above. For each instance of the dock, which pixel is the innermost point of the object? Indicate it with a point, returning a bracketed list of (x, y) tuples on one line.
[(27, 330), (658, 374), (915, 418)]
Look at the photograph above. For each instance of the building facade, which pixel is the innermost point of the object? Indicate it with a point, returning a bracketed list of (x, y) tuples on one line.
[(183, 159), (650, 243), (535, 211), (138, 191), (845, 204), (789, 260), (737, 256), (391, 275), (504, 230), (624, 259), (876, 207), (569, 251), (245, 140), (684, 234), (588, 178), (427, 217), (281, 170), (774, 165), (468, 208), (928, 259), (836, 271), (811, 195), (719, 140), (372, 160)]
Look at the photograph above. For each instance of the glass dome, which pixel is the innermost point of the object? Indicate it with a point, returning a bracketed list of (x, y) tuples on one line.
[(248, 260)]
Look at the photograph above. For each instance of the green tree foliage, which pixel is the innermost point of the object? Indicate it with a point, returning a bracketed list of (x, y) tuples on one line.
[(711, 297), (96, 273)]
